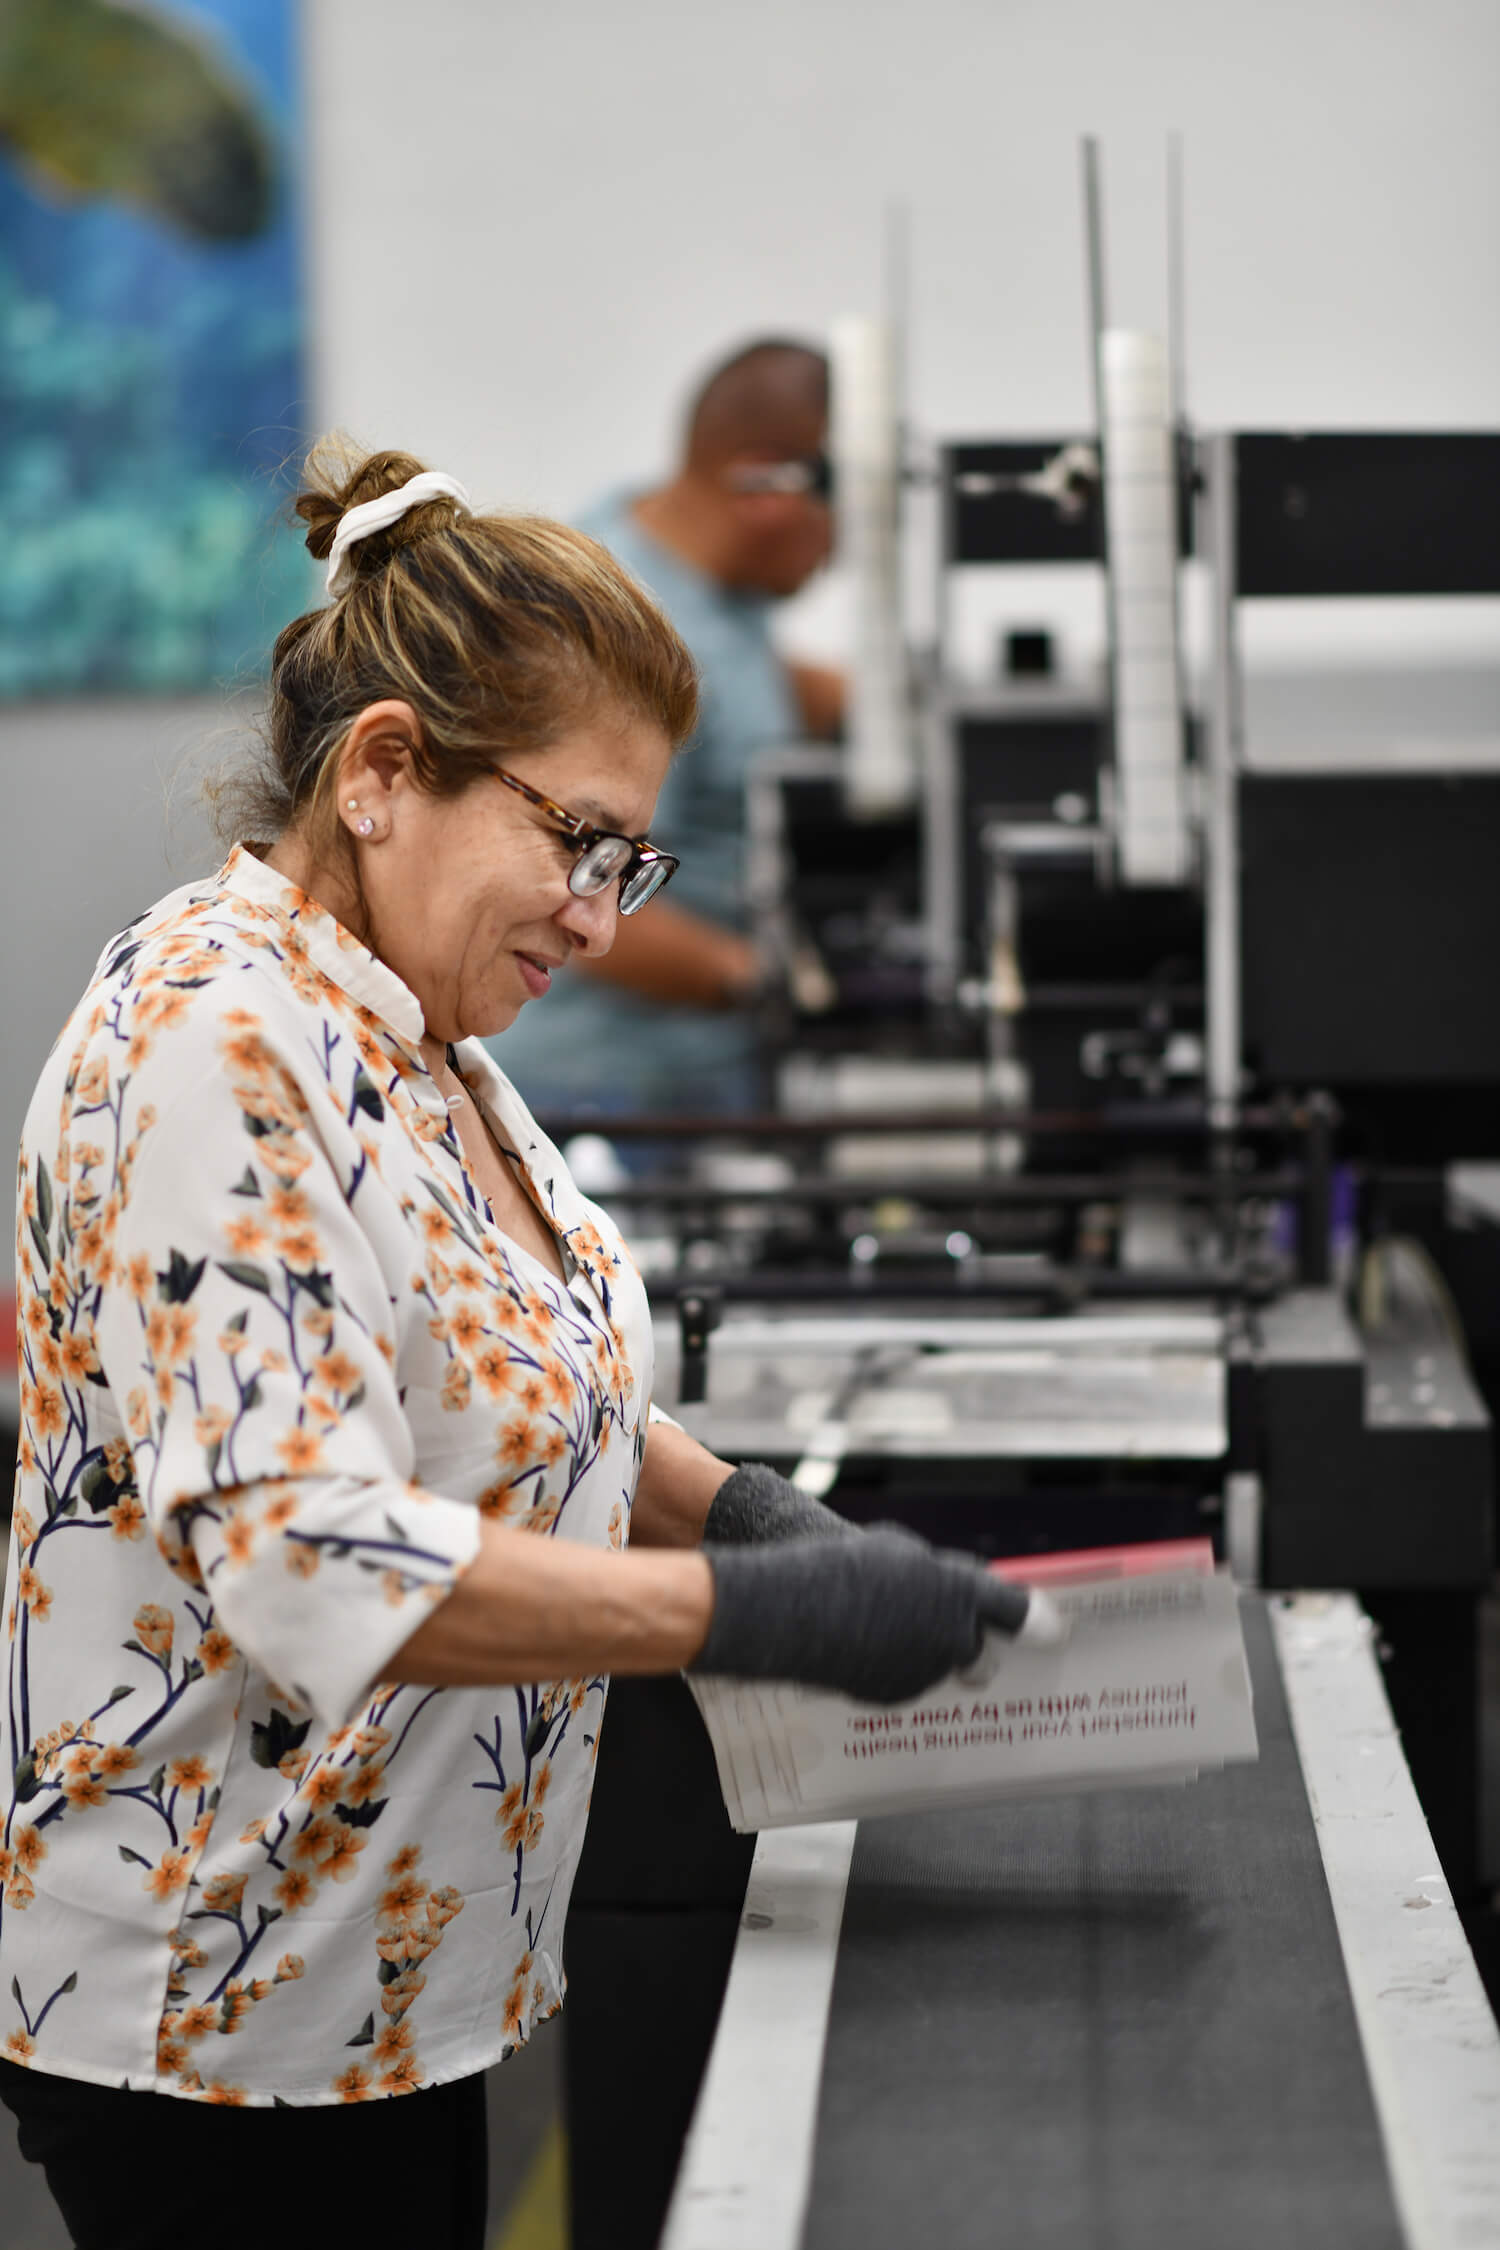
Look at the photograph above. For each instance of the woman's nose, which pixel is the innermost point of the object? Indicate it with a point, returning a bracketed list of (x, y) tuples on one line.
[(592, 921)]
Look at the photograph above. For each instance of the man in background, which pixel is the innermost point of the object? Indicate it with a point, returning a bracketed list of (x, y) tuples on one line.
[(661, 1022)]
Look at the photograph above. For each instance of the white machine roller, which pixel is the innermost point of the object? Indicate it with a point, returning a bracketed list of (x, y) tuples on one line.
[(865, 444), (1140, 530), (1152, 838)]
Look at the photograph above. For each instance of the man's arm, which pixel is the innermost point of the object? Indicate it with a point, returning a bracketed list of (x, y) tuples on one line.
[(822, 697), (667, 953)]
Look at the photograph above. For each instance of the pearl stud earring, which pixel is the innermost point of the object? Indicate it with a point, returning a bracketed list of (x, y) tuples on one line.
[(353, 804)]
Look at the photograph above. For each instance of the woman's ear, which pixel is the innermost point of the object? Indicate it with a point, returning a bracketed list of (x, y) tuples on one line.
[(375, 764)]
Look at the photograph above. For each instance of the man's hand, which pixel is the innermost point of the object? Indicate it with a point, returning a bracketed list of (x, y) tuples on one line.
[(667, 953), (822, 697)]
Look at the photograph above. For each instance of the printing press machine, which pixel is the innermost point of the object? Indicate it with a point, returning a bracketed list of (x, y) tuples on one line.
[(1104, 1191)]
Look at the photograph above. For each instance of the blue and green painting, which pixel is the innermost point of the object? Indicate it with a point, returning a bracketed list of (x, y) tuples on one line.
[(151, 385)]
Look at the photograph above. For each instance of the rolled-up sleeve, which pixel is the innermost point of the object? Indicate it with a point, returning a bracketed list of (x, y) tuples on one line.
[(249, 1339)]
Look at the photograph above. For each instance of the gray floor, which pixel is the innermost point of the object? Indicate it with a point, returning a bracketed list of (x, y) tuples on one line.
[(28, 2214), (523, 2098)]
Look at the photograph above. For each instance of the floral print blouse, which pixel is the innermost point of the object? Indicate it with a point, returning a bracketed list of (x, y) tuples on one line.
[(277, 1362)]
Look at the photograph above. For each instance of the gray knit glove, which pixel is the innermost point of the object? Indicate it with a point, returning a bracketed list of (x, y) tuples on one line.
[(755, 1507), (880, 1617)]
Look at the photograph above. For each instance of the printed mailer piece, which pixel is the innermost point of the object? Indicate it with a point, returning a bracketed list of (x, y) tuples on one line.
[(1151, 1689)]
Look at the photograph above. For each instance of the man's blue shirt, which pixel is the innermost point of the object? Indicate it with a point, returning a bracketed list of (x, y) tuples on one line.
[(587, 1042)]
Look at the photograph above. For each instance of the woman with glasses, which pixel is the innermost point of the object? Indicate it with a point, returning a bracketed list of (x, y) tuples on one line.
[(340, 1497)]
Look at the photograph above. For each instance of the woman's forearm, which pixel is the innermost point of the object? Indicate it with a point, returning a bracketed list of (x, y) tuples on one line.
[(678, 1480), (544, 1609)]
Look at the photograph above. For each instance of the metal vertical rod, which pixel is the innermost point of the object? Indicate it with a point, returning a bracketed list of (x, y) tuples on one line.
[(1221, 856), (698, 1314), (942, 855), (896, 313), (1093, 222), (1314, 1261), (1177, 346), (896, 291), (1176, 283), (1002, 976), (941, 864), (937, 742), (1002, 917)]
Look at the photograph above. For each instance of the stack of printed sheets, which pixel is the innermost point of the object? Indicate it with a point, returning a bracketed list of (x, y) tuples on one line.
[(1151, 1686)]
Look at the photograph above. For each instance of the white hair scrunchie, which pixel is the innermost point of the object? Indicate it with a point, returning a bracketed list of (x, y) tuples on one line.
[(388, 508)]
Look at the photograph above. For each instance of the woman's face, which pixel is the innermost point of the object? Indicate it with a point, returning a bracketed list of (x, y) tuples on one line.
[(467, 896)]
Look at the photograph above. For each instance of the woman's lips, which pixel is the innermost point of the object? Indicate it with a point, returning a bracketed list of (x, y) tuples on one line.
[(536, 975)]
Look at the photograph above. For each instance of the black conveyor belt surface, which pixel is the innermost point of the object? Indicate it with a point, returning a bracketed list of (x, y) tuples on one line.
[(1108, 2023)]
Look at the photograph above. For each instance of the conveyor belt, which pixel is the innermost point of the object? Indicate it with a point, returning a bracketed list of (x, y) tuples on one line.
[(1126, 2022), (1099, 2020)]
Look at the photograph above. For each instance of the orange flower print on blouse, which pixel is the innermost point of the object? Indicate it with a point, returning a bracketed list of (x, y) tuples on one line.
[(277, 1362)]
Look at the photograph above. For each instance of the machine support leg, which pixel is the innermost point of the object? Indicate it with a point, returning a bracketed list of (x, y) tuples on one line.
[(1317, 1192)]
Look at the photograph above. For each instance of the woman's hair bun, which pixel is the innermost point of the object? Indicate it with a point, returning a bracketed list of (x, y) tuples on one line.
[(338, 477), (500, 632)]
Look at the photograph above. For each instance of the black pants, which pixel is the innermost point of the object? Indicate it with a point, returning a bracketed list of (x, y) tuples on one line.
[(152, 2172)]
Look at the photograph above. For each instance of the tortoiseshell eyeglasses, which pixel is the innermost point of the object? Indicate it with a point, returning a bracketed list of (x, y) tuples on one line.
[(602, 855)]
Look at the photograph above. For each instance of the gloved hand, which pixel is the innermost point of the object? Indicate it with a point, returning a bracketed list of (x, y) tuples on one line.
[(755, 1507), (880, 1617)]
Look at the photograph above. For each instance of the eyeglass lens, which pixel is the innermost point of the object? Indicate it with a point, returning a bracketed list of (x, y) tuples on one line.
[(609, 857), (643, 884), (596, 867)]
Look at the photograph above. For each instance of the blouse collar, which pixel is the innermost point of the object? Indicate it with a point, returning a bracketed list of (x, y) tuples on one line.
[(332, 949)]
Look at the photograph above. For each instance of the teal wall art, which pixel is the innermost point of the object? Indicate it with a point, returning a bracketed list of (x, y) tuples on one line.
[(151, 371)]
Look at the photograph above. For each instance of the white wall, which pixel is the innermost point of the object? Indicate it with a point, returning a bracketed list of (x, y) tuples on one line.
[(100, 819), (530, 223), (580, 205), (573, 206)]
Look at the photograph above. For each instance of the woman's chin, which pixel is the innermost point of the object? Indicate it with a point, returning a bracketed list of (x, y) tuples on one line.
[(498, 1017)]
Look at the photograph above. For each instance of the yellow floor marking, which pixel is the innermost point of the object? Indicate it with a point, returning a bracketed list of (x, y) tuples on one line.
[(538, 2219)]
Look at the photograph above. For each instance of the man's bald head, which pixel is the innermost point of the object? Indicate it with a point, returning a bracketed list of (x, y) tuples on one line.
[(765, 407), (769, 401)]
